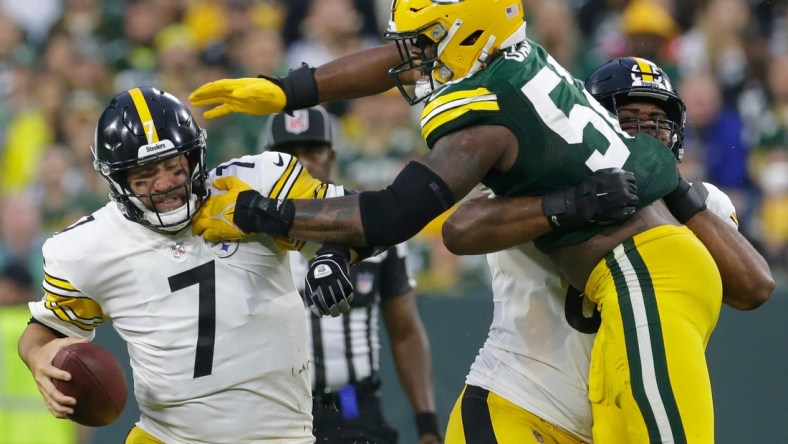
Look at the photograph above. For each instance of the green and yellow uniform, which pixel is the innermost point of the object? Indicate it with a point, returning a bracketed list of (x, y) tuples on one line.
[(657, 313)]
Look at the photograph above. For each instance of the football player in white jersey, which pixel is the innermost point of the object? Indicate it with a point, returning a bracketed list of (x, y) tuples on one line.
[(535, 361), (215, 331)]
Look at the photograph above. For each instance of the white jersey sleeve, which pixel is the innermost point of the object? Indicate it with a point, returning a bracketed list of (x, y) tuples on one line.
[(279, 176), (720, 204)]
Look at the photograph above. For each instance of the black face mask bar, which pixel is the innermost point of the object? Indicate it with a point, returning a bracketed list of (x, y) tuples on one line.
[(409, 44)]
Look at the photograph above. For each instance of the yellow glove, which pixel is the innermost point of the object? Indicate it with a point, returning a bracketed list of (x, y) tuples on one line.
[(214, 221), (245, 95)]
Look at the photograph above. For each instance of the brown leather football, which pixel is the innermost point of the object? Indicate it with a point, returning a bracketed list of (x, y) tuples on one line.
[(98, 383)]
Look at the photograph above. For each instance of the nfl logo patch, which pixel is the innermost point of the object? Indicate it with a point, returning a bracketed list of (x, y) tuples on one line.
[(364, 281), (298, 122), (512, 11)]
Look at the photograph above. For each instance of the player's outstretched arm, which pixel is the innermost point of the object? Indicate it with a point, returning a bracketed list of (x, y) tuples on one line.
[(423, 190), (358, 74), (746, 278), (484, 225)]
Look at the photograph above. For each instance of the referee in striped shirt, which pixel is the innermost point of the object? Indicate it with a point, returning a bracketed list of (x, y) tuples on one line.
[(345, 349)]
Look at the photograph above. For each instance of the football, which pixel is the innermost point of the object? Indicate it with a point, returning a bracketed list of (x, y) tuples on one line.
[(98, 383)]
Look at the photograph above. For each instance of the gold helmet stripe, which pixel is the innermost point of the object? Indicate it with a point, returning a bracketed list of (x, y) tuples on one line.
[(645, 70), (144, 113)]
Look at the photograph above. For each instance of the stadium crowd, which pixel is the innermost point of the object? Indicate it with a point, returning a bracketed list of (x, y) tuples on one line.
[(61, 63)]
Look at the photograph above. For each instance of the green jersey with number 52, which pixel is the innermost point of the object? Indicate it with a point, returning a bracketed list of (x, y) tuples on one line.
[(563, 133)]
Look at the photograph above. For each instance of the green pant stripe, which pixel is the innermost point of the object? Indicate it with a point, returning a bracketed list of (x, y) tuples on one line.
[(633, 351), (657, 344), (651, 386)]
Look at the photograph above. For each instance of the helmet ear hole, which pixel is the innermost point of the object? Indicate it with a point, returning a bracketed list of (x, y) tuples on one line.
[(472, 38)]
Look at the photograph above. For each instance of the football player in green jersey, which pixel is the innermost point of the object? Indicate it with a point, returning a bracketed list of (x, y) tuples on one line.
[(493, 225), (499, 110)]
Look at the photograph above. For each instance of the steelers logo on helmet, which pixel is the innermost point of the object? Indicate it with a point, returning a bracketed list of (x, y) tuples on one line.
[(646, 73)]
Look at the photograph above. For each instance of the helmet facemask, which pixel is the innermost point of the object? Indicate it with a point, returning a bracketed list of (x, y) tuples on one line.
[(140, 208), (667, 130), (419, 55)]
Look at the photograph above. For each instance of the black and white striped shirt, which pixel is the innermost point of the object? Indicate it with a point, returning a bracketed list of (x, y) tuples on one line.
[(345, 349)]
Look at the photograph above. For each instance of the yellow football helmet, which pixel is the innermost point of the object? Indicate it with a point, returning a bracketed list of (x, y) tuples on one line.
[(465, 32)]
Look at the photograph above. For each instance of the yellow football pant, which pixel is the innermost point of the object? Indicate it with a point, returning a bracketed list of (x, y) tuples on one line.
[(659, 295), (482, 417), (139, 436)]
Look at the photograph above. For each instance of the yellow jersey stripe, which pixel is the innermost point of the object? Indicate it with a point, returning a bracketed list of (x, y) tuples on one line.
[(645, 70), (82, 312), (58, 282), (448, 115), (321, 191), (144, 113), (280, 184), (303, 187), (458, 95)]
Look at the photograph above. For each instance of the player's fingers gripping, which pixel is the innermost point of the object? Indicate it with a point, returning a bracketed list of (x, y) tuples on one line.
[(215, 220), (231, 184)]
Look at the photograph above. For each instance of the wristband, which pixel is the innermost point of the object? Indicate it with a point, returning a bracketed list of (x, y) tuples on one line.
[(257, 214), (686, 200), (427, 422), (299, 86)]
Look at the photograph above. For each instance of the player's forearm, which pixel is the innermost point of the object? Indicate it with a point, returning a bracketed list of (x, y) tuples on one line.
[(359, 74), (746, 278), (33, 338), (484, 225), (328, 221)]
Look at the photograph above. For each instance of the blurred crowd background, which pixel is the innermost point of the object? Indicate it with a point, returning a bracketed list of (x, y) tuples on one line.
[(62, 60)]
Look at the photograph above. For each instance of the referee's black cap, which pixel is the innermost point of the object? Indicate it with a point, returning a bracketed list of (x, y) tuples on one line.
[(311, 126)]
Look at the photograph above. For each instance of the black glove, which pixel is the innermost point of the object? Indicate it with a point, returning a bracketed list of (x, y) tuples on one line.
[(605, 197), (686, 200), (257, 214), (328, 283), (299, 87)]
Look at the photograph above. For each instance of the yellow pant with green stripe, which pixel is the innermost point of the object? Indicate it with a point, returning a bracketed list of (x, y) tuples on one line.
[(659, 295)]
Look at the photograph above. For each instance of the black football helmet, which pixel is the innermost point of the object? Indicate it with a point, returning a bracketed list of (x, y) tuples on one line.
[(143, 126), (631, 79)]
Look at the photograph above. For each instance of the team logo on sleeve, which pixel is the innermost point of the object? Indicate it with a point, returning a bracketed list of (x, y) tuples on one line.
[(223, 249)]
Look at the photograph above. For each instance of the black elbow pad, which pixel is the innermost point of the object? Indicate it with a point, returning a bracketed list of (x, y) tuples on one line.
[(400, 211)]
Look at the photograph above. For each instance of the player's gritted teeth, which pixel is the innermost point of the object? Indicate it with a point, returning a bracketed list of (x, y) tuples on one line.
[(169, 201)]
